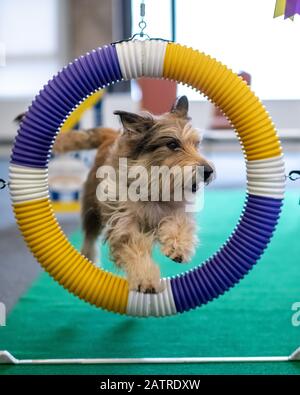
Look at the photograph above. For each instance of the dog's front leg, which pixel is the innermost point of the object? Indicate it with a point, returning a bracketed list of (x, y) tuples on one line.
[(177, 235), (131, 249)]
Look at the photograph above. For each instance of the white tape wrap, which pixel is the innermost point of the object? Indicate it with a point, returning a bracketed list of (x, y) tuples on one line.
[(266, 177), (141, 58), (158, 305), (27, 183)]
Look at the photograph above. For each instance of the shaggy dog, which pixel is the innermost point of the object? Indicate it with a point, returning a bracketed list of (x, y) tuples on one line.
[(132, 226)]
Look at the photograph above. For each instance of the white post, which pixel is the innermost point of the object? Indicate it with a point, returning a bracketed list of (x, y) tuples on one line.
[(2, 314), (2, 55)]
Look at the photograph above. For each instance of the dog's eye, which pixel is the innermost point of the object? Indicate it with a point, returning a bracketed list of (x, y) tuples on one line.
[(173, 145)]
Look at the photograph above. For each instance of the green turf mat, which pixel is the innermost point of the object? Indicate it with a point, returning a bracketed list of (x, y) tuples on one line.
[(252, 319)]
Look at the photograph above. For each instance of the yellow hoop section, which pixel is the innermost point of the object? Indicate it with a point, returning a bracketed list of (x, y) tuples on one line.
[(229, 92), (59, 258)]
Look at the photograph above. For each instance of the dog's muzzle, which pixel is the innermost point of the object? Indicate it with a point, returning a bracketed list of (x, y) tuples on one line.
[(206, 176), (208, 172)]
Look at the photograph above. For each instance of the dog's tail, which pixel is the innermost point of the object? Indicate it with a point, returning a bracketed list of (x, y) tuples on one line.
[(76, 140)]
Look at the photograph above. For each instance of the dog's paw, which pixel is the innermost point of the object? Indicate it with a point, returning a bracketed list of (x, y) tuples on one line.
[(146, 279), (178, 238), (178, 253)]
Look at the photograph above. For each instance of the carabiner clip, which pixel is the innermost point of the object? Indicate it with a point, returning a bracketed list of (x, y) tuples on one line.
[(294, 175), (2, 183)]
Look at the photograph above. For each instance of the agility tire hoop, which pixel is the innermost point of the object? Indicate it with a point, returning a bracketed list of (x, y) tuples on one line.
[(124, 61)]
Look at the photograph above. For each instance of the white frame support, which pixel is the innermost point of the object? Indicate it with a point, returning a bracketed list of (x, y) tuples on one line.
[(7, 358)]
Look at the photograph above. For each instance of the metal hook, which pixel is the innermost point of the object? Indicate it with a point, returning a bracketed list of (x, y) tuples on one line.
[(142, 22), (142, 25), (294, 175), (3, 183)]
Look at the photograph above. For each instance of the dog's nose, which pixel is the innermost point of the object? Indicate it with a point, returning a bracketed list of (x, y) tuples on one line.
[(208, 170)]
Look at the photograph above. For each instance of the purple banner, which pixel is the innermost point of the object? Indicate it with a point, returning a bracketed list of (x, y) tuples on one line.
[(292, 7)]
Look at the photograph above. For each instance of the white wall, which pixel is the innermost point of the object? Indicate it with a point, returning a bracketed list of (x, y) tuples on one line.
[(11, 106), (117, 101), (285, 114), (9, 109)]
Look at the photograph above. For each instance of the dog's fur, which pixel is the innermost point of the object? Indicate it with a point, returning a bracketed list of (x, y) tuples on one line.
[(131, 228)]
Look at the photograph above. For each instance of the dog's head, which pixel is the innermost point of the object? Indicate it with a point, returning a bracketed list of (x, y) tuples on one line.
[(168, 140)]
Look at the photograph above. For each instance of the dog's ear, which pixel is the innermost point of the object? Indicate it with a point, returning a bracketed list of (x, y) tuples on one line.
[(181, 107), (135, 123)]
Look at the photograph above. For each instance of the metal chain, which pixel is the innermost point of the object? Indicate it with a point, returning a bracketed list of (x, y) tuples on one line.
[(142, 23)]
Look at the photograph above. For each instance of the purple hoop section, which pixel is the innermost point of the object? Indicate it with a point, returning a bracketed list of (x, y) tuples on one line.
[(235, 258), (58, 99)]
